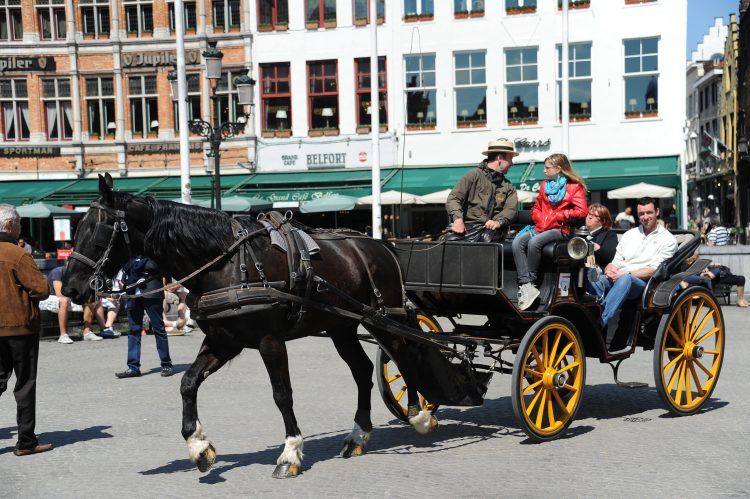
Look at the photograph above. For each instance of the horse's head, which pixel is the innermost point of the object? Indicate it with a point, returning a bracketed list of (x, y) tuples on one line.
[(103, 242)]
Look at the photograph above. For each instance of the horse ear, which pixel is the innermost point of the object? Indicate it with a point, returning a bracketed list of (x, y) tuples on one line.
[(105, 187)]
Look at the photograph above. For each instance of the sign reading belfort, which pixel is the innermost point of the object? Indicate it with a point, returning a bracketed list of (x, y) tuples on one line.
[(14, 63)]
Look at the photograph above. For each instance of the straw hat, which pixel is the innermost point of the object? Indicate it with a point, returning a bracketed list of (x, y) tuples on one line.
[(500, 145)]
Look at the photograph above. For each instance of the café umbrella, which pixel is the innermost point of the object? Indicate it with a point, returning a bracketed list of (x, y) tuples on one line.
[(335, 202), (235, 203), (641, 189), (43, 210), (392, 197)]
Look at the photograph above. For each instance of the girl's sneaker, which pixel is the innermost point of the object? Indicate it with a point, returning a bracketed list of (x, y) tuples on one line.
[(65, 339)]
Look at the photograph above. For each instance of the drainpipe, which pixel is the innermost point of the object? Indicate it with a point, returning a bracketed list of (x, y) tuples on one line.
[(75, 88)]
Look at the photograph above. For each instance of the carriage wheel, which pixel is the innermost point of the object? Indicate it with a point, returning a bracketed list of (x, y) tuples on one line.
[(392, 387), (689, 351), (548, 378)]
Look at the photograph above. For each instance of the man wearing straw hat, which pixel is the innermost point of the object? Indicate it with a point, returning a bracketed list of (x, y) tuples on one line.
[(484, 197)]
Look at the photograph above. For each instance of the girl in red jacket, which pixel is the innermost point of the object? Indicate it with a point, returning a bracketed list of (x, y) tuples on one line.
[(561, 197)]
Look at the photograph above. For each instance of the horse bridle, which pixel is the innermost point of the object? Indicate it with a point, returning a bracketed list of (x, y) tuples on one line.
[(98, 279)]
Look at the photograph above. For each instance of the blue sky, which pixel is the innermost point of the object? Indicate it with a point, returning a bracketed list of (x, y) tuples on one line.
[(701, 15)]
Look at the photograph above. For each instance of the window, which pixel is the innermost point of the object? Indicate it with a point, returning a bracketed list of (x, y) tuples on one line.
[(514, 7), (362, 12), (100, 107), (14, 110), (95, 18), (363, 89), (51, 14), (323, 95), (57, 108), (273, 14), (468, 8), (139, 17), (419, 10), (641, 77), (421, 104), (144, 109), (579, 77), (471, 89), (190, 20), (226, 15), (193, 100), (276, 97), (320, 13), (522, 86), (229, 105), (11, 25)]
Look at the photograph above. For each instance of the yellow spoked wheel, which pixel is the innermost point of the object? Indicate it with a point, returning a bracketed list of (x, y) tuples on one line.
[(391, 383), (548, 378), (689, 351)]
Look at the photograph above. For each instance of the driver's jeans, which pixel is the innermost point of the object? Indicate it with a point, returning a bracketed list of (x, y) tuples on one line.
[(626, 287)]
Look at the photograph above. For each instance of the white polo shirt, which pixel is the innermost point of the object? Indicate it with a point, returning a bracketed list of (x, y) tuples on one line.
[(636, 251)]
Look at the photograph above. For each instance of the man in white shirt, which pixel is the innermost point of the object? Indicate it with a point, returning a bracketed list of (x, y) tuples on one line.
[(625, 219), (639, 253)]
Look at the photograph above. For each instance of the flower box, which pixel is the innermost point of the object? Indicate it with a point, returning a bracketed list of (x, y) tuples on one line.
[(265, 27), (513, 11), (417, 127), (522, 121), (426, 17), (471, 124), (284, 133), (650, 114), (575, 4), (580, 117), (461, 14), (360, 21), (320, 132), (281, 27), (330, 132), (631, 115), (329, 23), (631, 2), (476, 13), (267, 134), (411, 18), (361, 129), (311, 25)]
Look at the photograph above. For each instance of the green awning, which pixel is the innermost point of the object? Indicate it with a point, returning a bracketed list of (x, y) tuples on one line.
[(18, 192), (606, 174), (601, 174)]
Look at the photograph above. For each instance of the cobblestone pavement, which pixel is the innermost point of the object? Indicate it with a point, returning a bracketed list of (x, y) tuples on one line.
[(117, 438)]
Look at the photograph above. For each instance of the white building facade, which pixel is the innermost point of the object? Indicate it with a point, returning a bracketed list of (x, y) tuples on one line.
[(461, 73)]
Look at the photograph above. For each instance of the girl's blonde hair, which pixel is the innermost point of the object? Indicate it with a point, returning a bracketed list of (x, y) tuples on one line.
[(561, 161)]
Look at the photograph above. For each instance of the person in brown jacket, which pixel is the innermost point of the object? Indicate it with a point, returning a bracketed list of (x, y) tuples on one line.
[(21, 288), (483, 196)]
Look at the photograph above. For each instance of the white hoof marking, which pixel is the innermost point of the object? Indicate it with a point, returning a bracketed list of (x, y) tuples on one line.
[(423, 422), (197, 443), (357, 436), (292, 451)]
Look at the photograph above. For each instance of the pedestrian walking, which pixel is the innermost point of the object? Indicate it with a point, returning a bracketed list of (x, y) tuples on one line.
[(142, 275), (22, 285)]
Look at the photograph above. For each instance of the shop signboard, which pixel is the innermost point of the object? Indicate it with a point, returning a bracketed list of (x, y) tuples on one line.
[(312, 155), (61, 228)]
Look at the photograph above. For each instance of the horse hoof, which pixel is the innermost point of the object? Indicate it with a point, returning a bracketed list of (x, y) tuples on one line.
[(206, 459), (286, 470), (352, 449)]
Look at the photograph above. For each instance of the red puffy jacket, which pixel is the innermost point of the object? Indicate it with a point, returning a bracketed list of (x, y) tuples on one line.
[(548, 217)]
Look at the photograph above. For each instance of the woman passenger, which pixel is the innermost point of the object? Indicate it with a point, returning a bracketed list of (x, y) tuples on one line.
[(562, 197), (599, 223)]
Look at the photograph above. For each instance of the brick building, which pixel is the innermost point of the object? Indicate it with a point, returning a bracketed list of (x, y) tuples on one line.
[(83, 85)]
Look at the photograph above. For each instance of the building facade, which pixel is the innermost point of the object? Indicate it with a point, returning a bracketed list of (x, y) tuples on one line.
[(743, 116), (452, 76), (84, 89)]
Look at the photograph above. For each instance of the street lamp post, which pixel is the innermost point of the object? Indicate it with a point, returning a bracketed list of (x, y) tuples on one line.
[(216, 134)]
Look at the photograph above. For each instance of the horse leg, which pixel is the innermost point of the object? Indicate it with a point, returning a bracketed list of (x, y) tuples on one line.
[(350, 349), (209, 360), (274, 354)]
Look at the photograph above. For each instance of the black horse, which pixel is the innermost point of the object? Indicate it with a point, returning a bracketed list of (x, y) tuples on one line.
[(182, 239)]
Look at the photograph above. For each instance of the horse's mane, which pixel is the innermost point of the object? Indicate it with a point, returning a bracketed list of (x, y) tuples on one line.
[(186, 231)]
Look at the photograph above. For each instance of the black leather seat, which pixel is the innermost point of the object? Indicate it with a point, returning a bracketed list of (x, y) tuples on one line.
[(548, 252)]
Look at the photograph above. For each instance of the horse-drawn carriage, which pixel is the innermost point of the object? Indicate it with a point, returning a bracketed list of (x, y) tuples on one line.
[(259, 283), (545, 349)]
